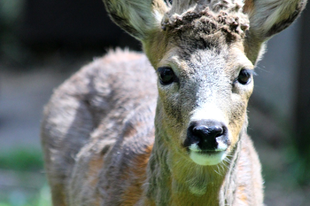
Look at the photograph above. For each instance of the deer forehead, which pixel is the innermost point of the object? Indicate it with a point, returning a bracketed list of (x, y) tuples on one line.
[(197, 28), (190, 62)]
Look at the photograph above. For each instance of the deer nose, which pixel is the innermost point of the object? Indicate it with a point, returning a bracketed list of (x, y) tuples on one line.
[(206, 134)]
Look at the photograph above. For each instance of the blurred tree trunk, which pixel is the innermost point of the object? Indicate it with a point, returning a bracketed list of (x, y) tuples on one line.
[(302, 110)]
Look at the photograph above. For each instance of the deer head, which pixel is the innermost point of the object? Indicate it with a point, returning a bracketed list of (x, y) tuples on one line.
[(204, 52)]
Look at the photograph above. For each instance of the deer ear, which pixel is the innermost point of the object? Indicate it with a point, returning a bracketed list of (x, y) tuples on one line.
[(269, 17), (136, 17)]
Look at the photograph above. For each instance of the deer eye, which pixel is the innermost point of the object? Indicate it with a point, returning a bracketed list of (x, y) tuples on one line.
[(166, 75), (244, 76)]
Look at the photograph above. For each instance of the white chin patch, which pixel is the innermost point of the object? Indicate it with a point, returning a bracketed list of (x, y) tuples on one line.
[(207, 158)]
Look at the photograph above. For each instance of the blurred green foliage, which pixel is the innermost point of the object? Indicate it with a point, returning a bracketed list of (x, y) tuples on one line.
[(23, 166), (10, 10), (42, 199), (11, 16), (21, 160)]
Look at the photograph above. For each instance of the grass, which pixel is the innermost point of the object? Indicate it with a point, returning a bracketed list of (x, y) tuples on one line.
[(42, 199), (25, 183), (23, 159)]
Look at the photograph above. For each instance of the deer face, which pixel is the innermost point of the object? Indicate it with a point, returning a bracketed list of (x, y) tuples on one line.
[(203, 95)]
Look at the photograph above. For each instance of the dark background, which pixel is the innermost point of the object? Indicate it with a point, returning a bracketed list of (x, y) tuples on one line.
[(42, 42)]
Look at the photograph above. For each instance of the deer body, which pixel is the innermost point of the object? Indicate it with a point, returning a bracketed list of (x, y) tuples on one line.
[(111, 138)]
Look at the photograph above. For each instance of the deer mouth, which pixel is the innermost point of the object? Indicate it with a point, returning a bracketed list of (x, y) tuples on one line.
[(206, 157)]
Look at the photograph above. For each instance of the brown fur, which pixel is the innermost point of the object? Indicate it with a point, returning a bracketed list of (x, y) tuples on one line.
[(248, 6), (100, 142), (134, 192)]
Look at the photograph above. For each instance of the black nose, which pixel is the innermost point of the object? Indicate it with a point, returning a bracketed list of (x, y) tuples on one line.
[(206, 134)]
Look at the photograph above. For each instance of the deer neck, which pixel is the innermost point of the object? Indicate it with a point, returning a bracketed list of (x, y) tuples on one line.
[(173, 179)]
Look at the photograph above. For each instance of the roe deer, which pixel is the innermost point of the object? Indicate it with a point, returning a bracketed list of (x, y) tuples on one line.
[(111, 138)]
